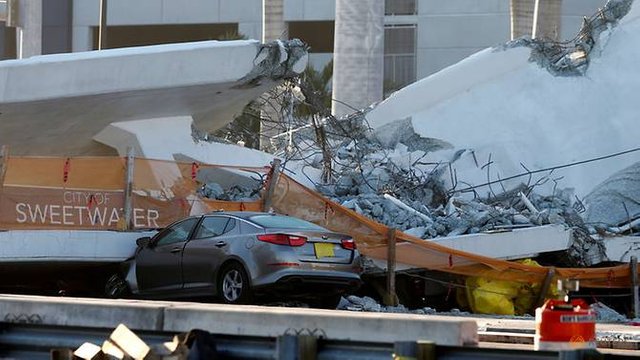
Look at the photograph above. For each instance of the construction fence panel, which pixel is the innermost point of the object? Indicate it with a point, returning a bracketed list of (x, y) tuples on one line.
[(89, 193), (165, 191), (371, 237), (59, 193)]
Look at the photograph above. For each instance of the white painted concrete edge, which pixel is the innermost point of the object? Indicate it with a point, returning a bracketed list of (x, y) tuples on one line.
[(127, 69), (508, 245), (68, 245), (621, 248), (237, 320), (449, 83), (511, 244)]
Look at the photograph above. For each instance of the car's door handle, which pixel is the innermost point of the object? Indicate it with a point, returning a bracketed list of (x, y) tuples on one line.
[(176, 249), (221, 243)]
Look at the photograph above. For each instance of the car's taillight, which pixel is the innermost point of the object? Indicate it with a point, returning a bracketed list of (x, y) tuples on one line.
[(348, 244), (283, 239)]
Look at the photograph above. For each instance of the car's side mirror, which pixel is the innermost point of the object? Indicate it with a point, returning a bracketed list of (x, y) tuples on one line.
[(143, 242)]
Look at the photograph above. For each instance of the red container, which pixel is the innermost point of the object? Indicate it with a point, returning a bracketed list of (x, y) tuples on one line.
[(562, 325)]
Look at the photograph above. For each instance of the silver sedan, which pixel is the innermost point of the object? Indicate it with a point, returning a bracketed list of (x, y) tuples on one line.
[(238, 255)]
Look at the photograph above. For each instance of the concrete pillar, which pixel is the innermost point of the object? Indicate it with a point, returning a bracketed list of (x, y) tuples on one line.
[(521, 18), (273, 20), (252, 30), (29, 30), (273, 28), (81, 39), (548, 20), (358, 56)]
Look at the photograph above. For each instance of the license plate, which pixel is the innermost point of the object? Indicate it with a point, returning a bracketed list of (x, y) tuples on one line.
[(323, 250)]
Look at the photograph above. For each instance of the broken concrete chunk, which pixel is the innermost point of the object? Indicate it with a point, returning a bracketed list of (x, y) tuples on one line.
[(129, 342), (418, 232), (112, 350), (607, 314), (615, 201), (212, 190), (88, 351), (520, 219), (344, 186), (279, 59)]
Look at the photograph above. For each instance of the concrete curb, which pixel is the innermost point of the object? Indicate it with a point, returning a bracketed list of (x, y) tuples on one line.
[(176, 317)]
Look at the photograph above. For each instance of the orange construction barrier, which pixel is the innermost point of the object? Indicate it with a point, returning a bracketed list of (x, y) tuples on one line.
[(90, 193)]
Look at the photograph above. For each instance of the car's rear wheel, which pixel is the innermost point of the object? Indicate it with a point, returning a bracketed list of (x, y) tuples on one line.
[(116, 287), (233, 285)]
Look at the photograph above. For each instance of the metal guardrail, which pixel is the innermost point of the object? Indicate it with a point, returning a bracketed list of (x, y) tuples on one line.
[(28, 341)]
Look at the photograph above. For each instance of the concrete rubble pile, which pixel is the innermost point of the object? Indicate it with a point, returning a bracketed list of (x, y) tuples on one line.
[(212, 190), (383, 175), (367, 304)]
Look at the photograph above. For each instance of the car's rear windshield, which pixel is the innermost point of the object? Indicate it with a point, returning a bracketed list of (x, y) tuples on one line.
[(279, 221)]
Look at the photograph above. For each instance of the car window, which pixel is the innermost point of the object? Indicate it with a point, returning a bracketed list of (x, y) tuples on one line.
[(213, 226), (176, 233), (281, 221), (230, 226)]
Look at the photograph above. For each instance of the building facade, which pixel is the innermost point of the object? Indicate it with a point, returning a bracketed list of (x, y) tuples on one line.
[(421, 36)]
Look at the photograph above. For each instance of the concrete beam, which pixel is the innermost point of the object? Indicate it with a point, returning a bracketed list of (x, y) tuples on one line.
[(511, 244), (55, 104), (506, 245), (178, 317), (69, 246)]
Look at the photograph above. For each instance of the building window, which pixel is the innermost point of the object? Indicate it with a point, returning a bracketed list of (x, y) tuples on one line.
[(317, 34), (140, 35), (399, 57), (400, 7)]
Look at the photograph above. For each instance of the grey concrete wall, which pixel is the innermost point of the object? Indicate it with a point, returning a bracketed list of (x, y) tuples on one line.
[(147, 12), (449, 31), (56, 27), (247, 13), (572, 13), (297, 10)]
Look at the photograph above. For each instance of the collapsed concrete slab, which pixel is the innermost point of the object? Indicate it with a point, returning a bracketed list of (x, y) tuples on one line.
[(622, 248), (512, 244), (172, 139), (67, 246), (616, 200), (55, 104), (501, 115)]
